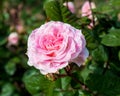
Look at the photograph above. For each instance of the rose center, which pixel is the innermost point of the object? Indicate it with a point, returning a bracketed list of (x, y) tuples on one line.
[(52, 42)]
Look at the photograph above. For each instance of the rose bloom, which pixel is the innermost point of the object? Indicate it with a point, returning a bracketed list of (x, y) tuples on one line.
[(13, 39), (54, 45), (70, 6), (86, 11)]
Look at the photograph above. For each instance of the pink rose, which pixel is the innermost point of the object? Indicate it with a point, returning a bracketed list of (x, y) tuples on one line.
[(53, 45), (13, 39), (86, 11), (70, 6)]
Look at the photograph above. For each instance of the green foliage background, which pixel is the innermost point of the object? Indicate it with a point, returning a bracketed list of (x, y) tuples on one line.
[(100, 76)]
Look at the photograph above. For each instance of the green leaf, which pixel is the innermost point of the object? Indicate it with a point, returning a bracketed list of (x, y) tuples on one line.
[(52, 9), (104, 8), (33, 81), (85, 73), (36, 83), (65, 82), (49, 87), (89, 36), (69, 93), (106, 84), (56, 93), (69, 17), (112, 39), (7, 90), (100, 54), (57, 12), (10, 68), (115, 2), (115, 67)]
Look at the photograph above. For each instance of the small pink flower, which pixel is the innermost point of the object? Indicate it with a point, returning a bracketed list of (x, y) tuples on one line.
[(70, 6), (53, 45), (13, 39), (86, 11), (20, 28)]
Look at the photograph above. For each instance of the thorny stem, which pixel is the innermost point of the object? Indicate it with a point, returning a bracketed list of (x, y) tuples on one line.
[(84, 87)]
